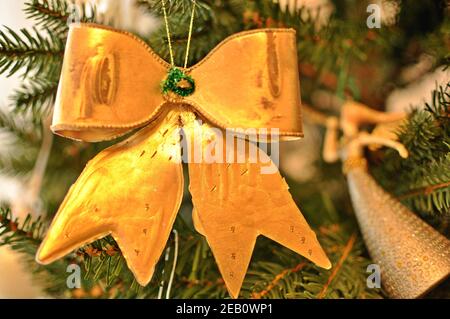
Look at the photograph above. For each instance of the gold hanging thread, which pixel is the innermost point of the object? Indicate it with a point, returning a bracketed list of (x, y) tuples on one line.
[(177, 81)]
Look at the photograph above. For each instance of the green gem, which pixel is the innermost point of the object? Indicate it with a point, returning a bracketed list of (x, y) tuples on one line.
[(179, 83)]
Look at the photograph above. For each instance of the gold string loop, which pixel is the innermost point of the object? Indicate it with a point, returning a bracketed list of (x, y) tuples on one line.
[(191, 28)]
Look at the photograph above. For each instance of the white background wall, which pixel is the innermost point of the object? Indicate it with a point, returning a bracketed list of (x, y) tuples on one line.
[(15, 282), (11, 15)]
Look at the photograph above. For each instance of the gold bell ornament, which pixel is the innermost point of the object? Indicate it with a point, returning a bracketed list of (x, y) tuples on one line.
[(413, 256)]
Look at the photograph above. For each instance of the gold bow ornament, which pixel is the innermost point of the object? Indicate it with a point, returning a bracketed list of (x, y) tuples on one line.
[(111, 85)]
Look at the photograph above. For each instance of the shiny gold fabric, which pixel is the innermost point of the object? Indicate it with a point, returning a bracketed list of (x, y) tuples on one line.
[(413, 257), (110, 85), (234, 203)]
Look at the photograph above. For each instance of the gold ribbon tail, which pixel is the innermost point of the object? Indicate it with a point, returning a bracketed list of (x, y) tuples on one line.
[(131, 191), (235, 202)]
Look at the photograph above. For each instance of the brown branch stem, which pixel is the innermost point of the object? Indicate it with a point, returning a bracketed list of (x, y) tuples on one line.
[(346, 252)]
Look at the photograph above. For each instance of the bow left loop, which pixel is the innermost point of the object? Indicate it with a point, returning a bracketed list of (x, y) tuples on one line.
[(110, 85)]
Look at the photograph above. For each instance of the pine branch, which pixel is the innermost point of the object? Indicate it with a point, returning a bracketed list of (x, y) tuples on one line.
[(21, 137), (325, 47), (215, 20), (175, 7), (423, 179), (55, 15), (197, 275), (25, 238), (12, 234), (37, 52), (104, 268), (41, 51), (347, 278), (51, 14), (36, 96), (12, 124)]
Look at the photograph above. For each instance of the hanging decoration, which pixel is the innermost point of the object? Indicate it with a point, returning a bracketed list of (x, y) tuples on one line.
[(413, 256), (133, 189)]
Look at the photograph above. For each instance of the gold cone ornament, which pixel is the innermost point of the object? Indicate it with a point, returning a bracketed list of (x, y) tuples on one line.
[(111, 85), (413, 256)]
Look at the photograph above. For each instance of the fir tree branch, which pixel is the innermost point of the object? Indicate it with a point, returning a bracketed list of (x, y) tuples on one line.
[(424, 191), (10, 123), (51, 14), (55, 14), (214, 21), (35, 52), (25, 238), (13, 234), (347, 249), (305, 280), (422, 180), (36, 96), (273, 284), (175, 7)]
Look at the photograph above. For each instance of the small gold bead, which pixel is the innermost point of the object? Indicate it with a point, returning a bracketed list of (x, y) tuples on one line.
[(184, 84)]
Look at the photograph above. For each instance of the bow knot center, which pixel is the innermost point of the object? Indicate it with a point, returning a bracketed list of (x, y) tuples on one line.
[(178, 82)]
